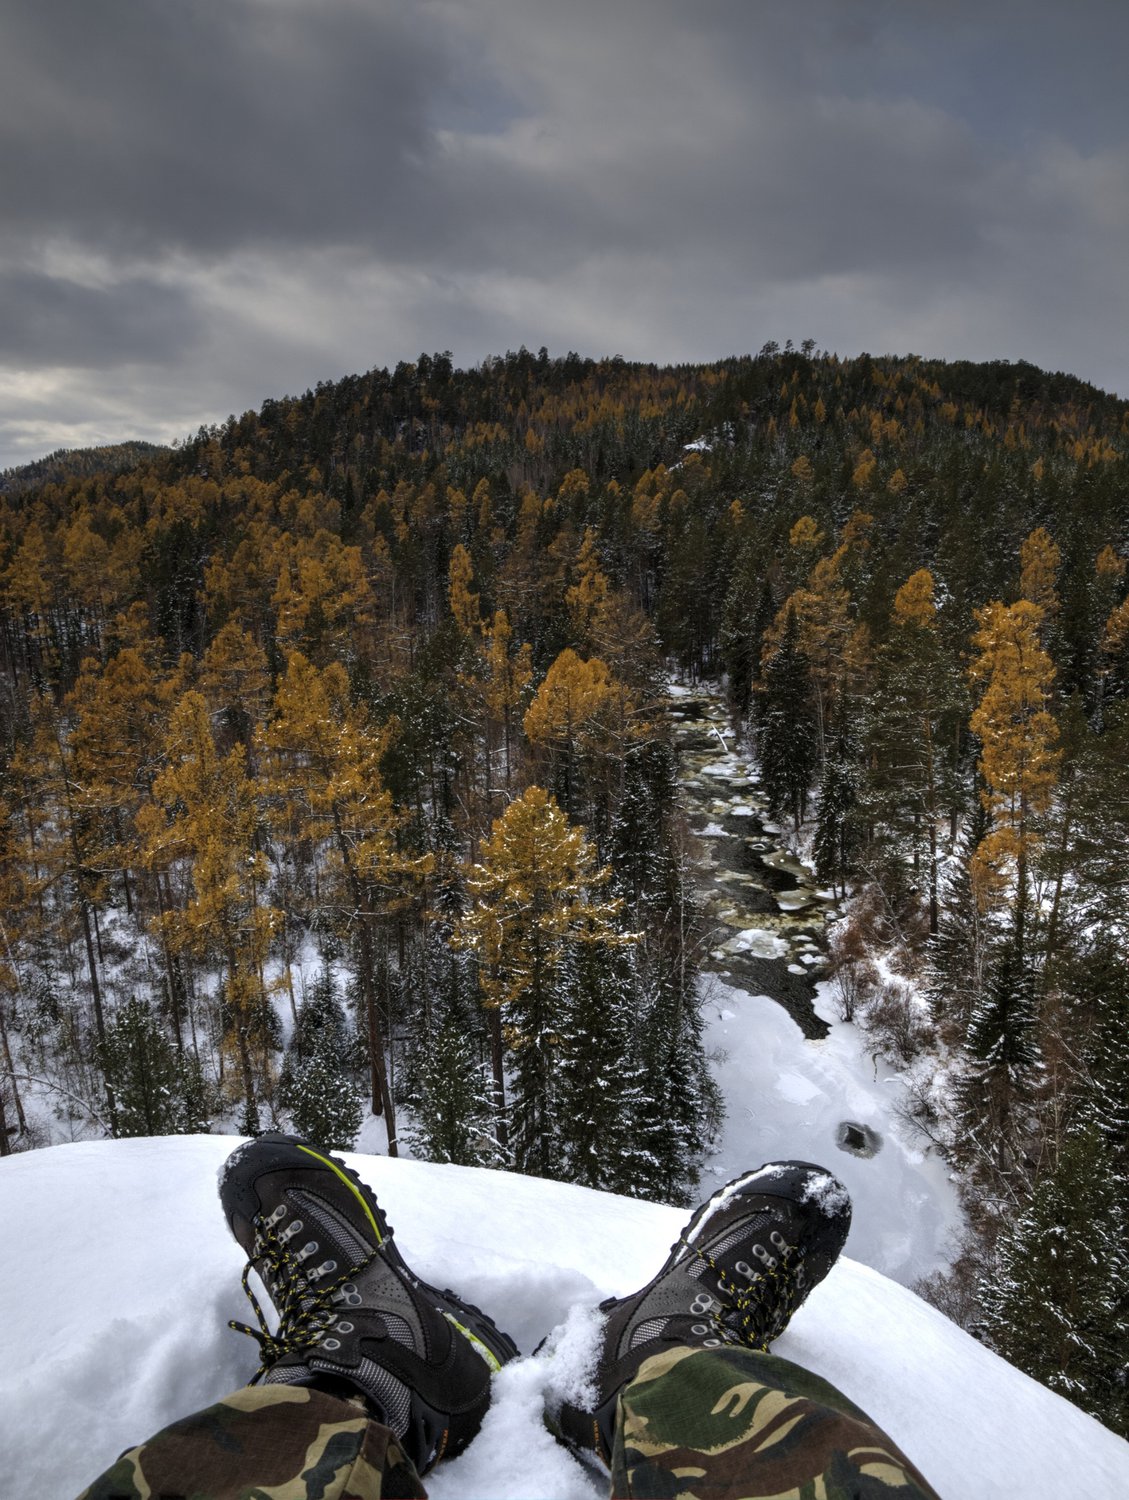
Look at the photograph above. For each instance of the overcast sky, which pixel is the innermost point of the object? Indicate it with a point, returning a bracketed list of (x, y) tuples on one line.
[(204, 203)]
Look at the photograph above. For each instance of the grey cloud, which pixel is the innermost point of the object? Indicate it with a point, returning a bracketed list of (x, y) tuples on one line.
[(271, 192), (49, 320), (199, 126)]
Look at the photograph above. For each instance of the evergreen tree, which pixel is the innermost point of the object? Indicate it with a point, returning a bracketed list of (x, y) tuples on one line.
[(324, 1101), (786, 728), (682, 1105), (157, 1092), (321, 1020), (1057, 1300), (640, 830), (602, 1084), (956, 954), (1003, 1049), (836, 833), (453, 1103)]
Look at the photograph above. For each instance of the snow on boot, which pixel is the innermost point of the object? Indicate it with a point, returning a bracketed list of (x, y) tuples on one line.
[(352, 1317), (735, 1275)]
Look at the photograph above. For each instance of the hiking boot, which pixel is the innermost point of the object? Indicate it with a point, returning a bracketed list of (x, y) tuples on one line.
[(352, 1317), (735, 1275)]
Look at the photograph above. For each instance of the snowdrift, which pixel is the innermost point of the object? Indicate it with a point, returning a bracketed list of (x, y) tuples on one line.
[(121, 1277)]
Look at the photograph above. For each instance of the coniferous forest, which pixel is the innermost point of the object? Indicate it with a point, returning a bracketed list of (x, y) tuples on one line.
[(370, 684)]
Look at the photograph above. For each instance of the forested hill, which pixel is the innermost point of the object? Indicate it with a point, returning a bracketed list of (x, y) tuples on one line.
[(375, 675)]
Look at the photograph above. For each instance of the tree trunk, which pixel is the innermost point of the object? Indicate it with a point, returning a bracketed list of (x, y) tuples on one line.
[(16, 1100), (379, 1092), (501, 1127), (96, 991)]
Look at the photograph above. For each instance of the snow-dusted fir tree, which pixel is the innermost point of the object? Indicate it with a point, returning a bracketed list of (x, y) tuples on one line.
[(453, 1105), (316, 1084), (325, 1101), (787, 739), (1057, 1302), (1004, 1061), (319, 1015), (603, 1087), (157, 1092), (835, 829), (955, 956)]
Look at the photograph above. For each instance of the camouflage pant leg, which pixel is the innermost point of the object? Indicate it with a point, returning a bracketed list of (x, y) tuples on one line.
[(731, 1424), (266, 1442)]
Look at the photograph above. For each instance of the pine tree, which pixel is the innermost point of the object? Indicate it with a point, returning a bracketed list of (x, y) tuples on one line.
[(786, 728), (453, 1103), (1056, 1302), (603, 1087), (538, 884)]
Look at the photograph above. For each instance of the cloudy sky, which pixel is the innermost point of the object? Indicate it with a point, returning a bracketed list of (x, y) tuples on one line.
[(204, 203)]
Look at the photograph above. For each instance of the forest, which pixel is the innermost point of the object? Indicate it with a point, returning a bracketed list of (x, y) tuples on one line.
[(370, 684)]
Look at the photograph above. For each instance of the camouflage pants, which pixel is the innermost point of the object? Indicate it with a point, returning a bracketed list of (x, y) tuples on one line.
[(694, 1424), (730, 1424)]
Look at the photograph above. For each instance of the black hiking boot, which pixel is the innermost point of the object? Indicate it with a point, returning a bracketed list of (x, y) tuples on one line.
[(352, 1317), (735, 1275)]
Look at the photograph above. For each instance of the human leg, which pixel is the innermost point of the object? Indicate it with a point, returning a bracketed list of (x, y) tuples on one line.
[(288, 1442), (369, 1375), (733, 1422), (687, 1399)]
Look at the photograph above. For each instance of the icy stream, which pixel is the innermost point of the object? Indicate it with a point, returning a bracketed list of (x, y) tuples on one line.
[(769, 914), (797, 1081)]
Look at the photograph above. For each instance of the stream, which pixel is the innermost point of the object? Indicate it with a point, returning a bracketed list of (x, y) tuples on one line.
[(797, 1081), (768, 915)]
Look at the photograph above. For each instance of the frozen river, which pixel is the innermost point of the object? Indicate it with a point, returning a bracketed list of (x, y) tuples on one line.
[(797, 1081)]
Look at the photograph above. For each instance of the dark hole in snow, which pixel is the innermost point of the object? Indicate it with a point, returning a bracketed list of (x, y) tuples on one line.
[(859, 1140)]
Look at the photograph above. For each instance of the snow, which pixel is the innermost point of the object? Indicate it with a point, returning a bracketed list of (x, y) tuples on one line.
[(122, 1276), (757, 941), (787, 1097)]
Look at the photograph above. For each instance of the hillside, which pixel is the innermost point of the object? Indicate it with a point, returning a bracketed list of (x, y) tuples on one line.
[(296, 716), (123, 1324)]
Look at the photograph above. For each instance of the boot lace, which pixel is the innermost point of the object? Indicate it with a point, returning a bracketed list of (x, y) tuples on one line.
[(306, 1301), (754, 1305)]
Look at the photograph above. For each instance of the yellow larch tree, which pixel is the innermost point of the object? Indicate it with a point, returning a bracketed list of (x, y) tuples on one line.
[(508, 674), (322, 764), (463, 600), (205, 815), (580, 710), (536, 886), (1018, 756)]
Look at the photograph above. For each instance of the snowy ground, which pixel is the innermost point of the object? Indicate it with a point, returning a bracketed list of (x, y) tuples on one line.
[(787, 1097), (121, 1277)]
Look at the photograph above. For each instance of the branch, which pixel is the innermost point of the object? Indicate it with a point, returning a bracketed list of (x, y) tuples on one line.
[(58, 1089)]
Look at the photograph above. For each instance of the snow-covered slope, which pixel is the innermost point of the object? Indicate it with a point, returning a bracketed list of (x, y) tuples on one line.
[(120, 1278), (786, 1096)]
